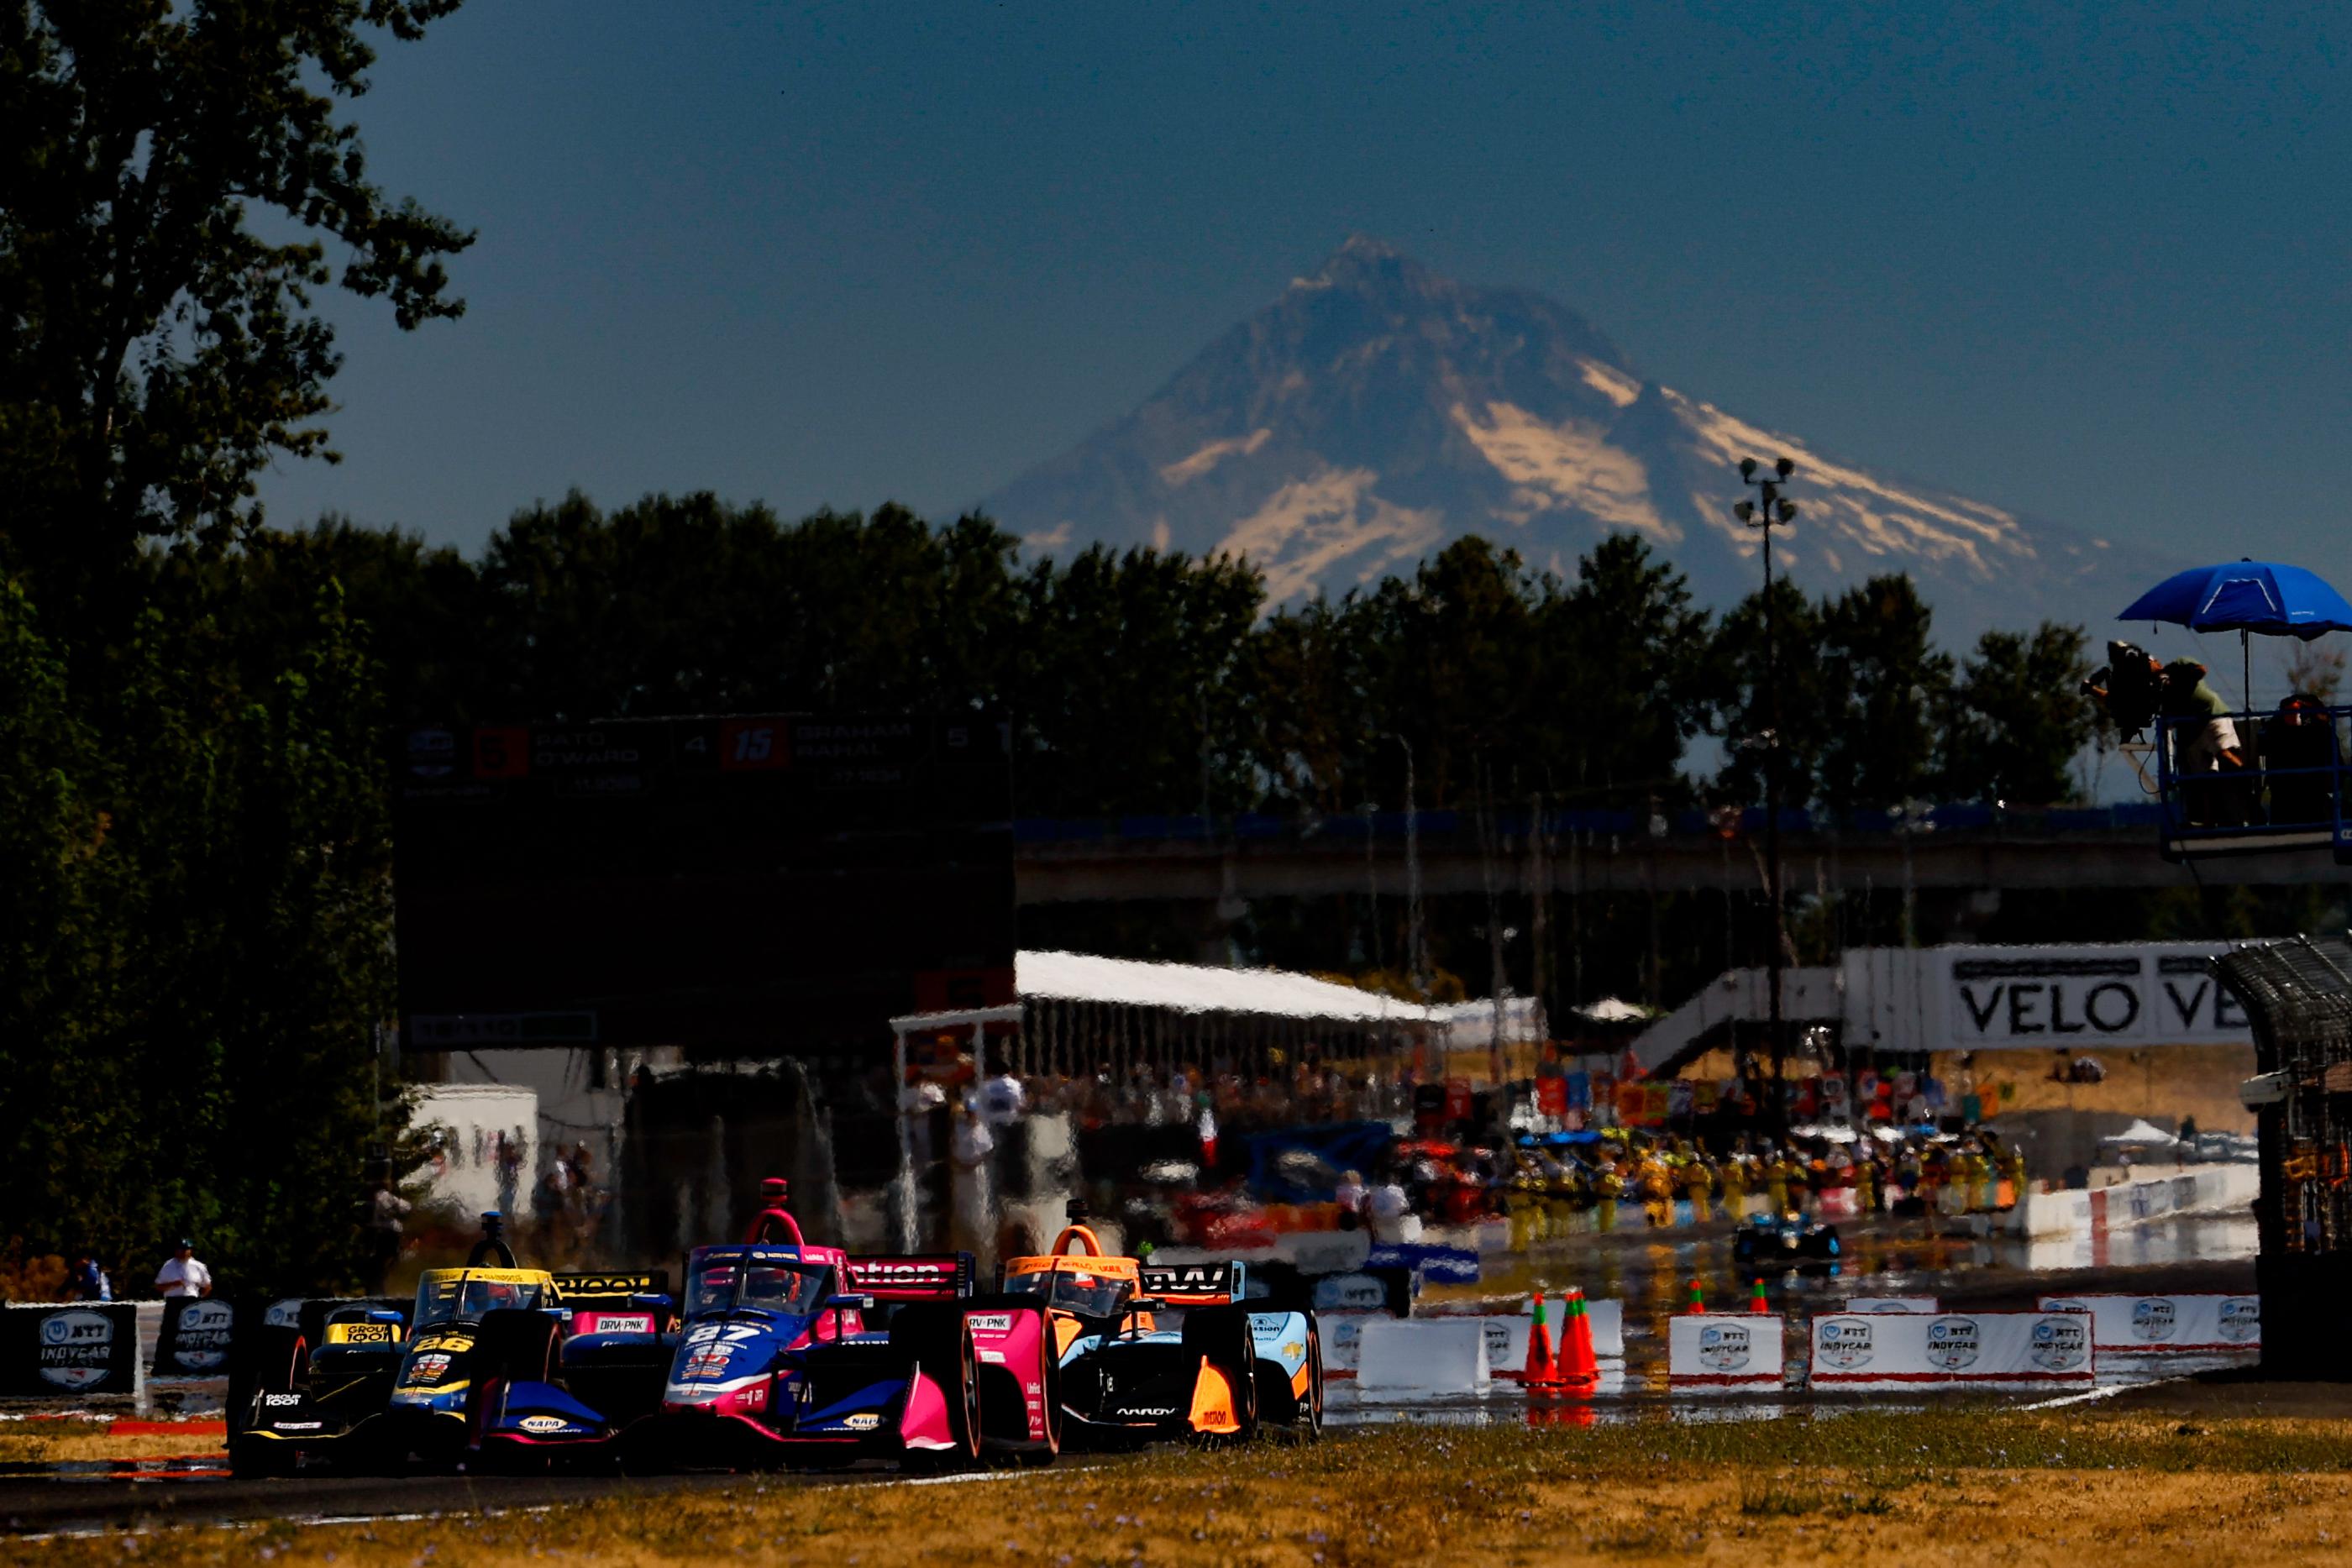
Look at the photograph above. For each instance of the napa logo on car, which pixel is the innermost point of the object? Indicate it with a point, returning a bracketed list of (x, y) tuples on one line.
[(2154, 1320), (2240, 1319), (1725, 1347), (2060, 1343), (77, 1348), (1843, 1343), (865, 1421), (203, 1333), (1954, 1342), (544, 1423)]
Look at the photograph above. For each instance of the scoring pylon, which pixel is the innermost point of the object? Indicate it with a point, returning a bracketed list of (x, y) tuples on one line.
[(1580, 1369), (1543, 1363)]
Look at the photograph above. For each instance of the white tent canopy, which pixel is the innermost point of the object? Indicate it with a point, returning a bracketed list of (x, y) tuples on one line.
[(2140, 1132), (1197, 988)]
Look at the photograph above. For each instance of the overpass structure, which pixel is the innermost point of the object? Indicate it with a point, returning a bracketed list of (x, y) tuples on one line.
[(1237, 861)]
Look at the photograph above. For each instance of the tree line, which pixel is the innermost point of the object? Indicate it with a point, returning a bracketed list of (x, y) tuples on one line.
[(1142, 681)]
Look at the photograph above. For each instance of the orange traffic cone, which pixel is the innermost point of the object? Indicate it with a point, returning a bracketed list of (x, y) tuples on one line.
[(1756, 1301), (1543, 1365), (1580, 1369), (1698, 1299)]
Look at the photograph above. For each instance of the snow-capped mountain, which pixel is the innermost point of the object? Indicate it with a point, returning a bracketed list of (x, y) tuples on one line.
[(1377, 410)]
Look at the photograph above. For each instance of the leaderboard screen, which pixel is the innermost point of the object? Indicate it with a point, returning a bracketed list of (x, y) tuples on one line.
[(751, 884)]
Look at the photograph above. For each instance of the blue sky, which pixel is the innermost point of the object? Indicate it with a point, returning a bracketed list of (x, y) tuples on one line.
[(2088, 265)]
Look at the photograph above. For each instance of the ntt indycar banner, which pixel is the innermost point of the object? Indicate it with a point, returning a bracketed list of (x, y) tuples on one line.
[(1968, 1350), (2156, 1325), (58, 1349), (194, 1341), (1725, 1350), (2060, 996)]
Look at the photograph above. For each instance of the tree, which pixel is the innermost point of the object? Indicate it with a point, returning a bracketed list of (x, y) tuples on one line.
[(156, 350), (1623, 669), (2019, 716), (1745, 712), (1887, 688)]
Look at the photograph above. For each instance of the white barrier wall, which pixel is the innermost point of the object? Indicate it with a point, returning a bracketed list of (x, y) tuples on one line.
[(2166, 1324), (1725, 1350), (1407, 1355), (2204, 1189), (1894, 1304), (1986, 1350)]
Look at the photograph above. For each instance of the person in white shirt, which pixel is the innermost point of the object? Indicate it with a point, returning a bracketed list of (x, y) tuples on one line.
[(1392, 1216), (1001, 1100), (182, 1275)]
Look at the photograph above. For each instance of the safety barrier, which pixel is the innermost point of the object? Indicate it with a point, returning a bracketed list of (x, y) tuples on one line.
[(1726, 1351), (193, 1338), (1866, 1351), (2207, 1189), (1425, 1356), (1894, 1304), (2159, 1325), (51, 1350)]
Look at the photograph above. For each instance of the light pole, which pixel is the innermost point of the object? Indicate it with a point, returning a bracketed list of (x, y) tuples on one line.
[(1763, 513)]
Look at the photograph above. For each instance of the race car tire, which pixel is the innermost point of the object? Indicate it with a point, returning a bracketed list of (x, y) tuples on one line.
[(1223, 1335), (517, 1345), (255, 1458), (938, 1341)]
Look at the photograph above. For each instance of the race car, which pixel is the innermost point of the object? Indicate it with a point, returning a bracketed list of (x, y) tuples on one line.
[(1219, 1373), (1784, 1242), (388, 1382), (777, 1362)]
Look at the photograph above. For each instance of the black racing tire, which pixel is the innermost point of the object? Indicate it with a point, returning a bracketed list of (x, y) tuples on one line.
[(1223, 1335), (938, 1341), (251, 1457)]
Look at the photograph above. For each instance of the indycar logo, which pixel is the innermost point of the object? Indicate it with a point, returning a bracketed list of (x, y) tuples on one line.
[(2060, 1343), (77, 1349), (703, 1365), (2153, 1319), (430, 1367), (1724, 1347), (2241, 1321), (1953, 1343), (1842, 1342), (202, 1341)]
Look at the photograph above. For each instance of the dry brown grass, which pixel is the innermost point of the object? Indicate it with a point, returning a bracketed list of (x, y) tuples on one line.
[(1951, 1486), (55, 1442)]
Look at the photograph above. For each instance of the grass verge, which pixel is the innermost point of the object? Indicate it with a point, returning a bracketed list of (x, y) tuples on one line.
[(1948, 1486)]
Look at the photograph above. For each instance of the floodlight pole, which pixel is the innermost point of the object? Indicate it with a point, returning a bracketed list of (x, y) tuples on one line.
[(1767, 509)]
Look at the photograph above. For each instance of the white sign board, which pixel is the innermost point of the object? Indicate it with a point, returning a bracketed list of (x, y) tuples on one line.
[(2061, 996), (2154, 1325), (1891, 1304), (1725, 1350), (1868, 1351)]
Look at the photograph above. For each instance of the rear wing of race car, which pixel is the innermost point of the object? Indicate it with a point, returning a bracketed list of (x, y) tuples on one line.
[(617, 1304), (1194, 1284), (915, 1277)]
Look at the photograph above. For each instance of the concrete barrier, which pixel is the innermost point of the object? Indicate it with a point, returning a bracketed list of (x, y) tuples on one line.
[(1406, 1355), (2166, 1325), (1728, 1350), (2197, 1189)]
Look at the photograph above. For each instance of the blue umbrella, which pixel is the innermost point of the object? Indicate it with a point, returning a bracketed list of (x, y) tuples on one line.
[(2246, 596)]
